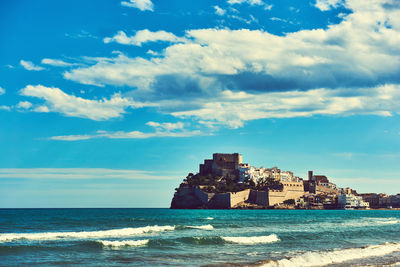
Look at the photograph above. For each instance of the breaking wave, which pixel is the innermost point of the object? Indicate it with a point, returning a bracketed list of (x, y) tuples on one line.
[(251, 240), (322, 258), (387, 221), (209, 218), (124, 243), (202, 227), (85, 234), (214, 240)]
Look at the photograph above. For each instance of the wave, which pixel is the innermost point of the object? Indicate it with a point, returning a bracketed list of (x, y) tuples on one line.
[(202, 240), (349, 224), (366, 222), (124, 243), (387, 221), (201, 227), (8, 237), (251, 240), (209, 218), (220, 240), (322, 258)]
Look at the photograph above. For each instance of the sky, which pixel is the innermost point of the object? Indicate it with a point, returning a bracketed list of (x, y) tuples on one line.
[(110, 103)]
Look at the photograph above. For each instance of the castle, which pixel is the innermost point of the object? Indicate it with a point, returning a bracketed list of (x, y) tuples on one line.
[(286, 186)]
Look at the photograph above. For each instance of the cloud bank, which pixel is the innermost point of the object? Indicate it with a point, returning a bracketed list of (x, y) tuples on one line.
[(348, 68)]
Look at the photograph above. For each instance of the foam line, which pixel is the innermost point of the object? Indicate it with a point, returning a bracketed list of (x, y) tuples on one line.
[(124, 243), (322, 258), (251, 240), (85, 234)]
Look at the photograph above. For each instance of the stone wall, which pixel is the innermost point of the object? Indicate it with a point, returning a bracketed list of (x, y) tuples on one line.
[(221, 201), (204, 197), (290, 190), (262, 198), (239, 197), (198, 198), (252, 196)]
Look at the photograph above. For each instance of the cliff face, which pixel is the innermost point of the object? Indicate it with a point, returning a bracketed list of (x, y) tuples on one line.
[(195, 198), (185, 198)]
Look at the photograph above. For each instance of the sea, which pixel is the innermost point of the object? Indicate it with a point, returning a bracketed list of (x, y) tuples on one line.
[(164, 237)]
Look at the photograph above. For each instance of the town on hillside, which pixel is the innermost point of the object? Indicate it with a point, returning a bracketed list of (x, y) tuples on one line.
[(225, 182)]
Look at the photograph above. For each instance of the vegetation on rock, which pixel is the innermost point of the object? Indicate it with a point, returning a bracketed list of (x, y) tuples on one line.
[(222, 184)]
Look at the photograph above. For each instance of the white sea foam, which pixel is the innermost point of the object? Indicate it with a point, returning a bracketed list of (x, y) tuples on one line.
[(371, 222), (209, 218), (356, 223), (83, 235), (250, 240), (202, 227), (322, 258), (124, 243), (387, 221)]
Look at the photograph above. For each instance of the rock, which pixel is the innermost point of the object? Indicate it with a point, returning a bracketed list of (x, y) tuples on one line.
[(185, 198)]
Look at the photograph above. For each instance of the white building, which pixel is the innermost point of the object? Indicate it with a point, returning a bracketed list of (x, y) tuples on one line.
[(254, 174), (287, 176), (350, 201)]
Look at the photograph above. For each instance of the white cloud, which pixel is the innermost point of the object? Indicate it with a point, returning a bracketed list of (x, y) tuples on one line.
[(69, 105), (140, 4), (219, 11), (141, 37), (3, 107), (250, 2), (348, 68), (79, 173), (24, 105), (325, 5), (28, 65), (161, 130), (233, 109), (168, 126), (268, 7), (2, 91), (56, 62)]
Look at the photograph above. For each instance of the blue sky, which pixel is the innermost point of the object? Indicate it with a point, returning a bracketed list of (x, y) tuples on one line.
[(112, 103)]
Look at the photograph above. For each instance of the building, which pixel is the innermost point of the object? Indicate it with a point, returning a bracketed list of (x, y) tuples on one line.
[(392, 201), (350, 201), (372, 199), (221, 164), (255, 174), (319, 184), (231, 165)]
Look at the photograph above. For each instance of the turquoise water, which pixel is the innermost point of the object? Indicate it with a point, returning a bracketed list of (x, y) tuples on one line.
[(159, 237)]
